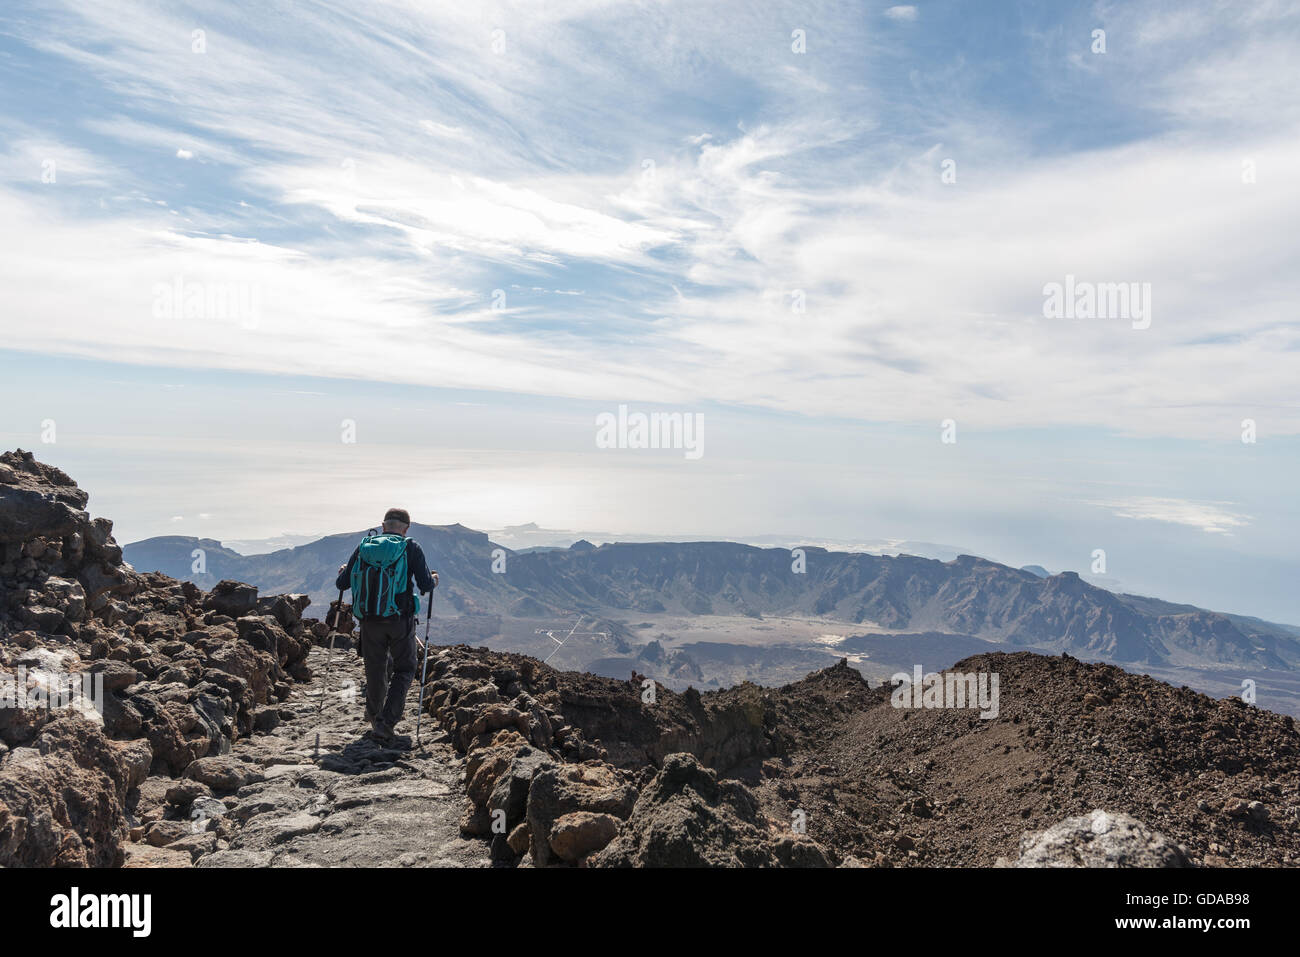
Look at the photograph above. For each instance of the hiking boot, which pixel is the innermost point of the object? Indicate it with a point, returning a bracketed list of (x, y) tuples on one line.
[(381, 731)]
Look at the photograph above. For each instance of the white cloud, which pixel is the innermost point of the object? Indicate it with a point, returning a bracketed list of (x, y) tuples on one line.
[(1210, 517), (399, 213), (31, 157), (902, 12)]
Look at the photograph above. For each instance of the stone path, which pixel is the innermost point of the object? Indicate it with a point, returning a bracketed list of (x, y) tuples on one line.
[(329, 797)]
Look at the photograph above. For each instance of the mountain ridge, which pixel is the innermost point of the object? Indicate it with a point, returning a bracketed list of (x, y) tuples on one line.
[(967, 595)]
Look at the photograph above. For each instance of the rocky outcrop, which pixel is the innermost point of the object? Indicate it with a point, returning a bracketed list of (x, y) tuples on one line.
[(686, 817), (547, 791), (561, 798), (85, 640), (62, 797), (37, 501), (231, 598), (1098, 839), (526, 766)]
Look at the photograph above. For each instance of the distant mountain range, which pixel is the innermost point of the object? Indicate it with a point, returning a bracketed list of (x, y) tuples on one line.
[(531, 536), (966, 596)]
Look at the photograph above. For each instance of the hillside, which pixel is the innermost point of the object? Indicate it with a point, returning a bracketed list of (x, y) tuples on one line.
[(965, 596)]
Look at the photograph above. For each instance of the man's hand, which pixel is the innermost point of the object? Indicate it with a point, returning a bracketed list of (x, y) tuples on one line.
[(434, 576)]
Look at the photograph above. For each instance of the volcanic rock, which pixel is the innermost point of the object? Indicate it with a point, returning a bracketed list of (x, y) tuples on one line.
[(1099, 839)]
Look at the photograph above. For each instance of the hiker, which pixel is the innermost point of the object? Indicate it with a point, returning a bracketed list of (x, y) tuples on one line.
[(380, 573)]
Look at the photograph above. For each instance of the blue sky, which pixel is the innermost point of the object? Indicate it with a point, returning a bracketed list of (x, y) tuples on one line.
[(471, 230)]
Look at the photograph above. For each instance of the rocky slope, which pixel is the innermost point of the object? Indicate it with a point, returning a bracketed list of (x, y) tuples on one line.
[(828, 771), (220, 740), (110, 676), (942, 786)]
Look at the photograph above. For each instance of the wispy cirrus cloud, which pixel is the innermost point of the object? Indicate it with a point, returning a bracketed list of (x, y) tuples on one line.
[(744, 221)]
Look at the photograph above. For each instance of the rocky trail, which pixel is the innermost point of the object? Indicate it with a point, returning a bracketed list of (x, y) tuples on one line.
[(314, 791)]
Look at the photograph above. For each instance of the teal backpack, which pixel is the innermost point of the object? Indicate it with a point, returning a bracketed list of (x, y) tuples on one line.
[(379, 576)]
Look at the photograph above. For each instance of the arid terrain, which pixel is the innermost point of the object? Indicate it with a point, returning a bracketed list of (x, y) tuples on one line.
[(712, 614), (229, 732)]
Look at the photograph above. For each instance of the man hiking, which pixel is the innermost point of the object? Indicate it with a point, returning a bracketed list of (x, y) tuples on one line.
[(379, 574)]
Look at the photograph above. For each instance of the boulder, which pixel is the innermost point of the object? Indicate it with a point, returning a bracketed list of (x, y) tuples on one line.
[(162, 833), (510, 792), (285, 609), (255, 669), (61, 803), (577, 835), (195, 845), (145, 856), (204, 813), (67, 596), (100, 584), (137, 757), (183, 793), (519, 839), (1098, 839), (231, 598), (491, 718), (480, 785), (98, 544), (42, 618), (116, 675), (37, 500), (555, 792), (49, 685), (174, 730), (223, 773)]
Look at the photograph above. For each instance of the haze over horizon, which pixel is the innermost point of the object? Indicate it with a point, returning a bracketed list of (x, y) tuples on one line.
[(825, 229)]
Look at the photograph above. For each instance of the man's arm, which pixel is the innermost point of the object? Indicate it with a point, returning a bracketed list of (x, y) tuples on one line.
[(345, 572), (425, 580)]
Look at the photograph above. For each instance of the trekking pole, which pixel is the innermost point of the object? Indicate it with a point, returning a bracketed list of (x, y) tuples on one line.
[(424, 669), (329, 658)]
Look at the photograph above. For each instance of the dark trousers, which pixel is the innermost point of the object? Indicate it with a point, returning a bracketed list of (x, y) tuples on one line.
[(388, 647)]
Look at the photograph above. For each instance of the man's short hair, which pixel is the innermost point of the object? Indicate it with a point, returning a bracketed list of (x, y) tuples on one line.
[(399, 515)]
